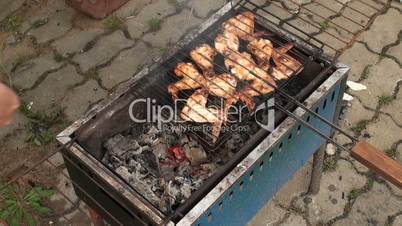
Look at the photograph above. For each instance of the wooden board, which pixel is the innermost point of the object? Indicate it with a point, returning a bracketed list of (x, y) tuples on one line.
[(379, 162)]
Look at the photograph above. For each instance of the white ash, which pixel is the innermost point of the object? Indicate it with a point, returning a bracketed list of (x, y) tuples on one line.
[(144, 162)]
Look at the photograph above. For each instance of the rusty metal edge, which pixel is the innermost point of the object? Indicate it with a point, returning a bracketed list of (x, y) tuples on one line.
[(271, 140)]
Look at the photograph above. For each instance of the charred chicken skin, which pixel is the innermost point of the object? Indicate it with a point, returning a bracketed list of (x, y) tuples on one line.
[(285, 64), (192, 79), (196, 110), (242, 25), (226, 43), (203, 56)]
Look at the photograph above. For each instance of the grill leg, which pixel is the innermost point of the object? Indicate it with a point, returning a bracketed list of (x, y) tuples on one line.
[(317, 170), (96, 219)]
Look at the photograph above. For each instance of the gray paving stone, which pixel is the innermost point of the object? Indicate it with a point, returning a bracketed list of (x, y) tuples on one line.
[(25, 76), (13, 54), (381, 81), (396, 4), (274, 11), (75, 40), (398, 221), (384, 30), (355, 113), (376, 131), (302, 25), (65, 186), (78, 100), (363, 7), (58, 203), (394, 108), (127, 64), (333, 5), (294, 220), (103, 50), (78, 218), (318, 11), (270, 214), (372, 208), (173, 28), (52, 90), (19, 121), (9, 6), (396, 51), (357, 57), (157, 10), (59, 21), (332, 39), (206, 7), (334, 187), (56, 159), (131, 8)]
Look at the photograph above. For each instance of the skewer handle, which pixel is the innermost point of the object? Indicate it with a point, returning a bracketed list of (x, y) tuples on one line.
[(379, 162)]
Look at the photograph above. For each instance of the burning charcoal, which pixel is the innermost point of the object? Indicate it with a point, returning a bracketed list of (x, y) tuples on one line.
[(196, 155), (149, 161), (178, 153)]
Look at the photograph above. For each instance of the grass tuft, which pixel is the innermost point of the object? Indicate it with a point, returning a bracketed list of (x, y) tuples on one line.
[(360, 126), (392, 153), (39, 125), (39, 23), (324, 25), (12, 24), (384, 100), (329, 164), (113, 23), (154, 24)]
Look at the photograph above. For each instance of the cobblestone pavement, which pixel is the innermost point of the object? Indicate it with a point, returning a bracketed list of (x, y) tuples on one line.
[(61, 63)]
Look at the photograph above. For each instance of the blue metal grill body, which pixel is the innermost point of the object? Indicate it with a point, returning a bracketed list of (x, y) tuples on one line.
[(260, 183)]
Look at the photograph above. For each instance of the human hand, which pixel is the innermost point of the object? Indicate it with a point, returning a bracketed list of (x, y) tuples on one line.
[(9, 103)]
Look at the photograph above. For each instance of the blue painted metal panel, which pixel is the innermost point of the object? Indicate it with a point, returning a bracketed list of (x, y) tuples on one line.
[(249, 194)]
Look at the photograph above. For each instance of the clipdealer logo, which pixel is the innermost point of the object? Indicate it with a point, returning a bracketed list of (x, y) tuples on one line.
[(147, 110)]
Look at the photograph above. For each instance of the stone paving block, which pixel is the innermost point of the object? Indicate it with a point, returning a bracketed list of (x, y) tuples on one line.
[(372, 208), (77, 218), (333, 5), (376, 131), (78, 100), (206, 7), (302, 26), (59, 20), (131, 8), (396, 51), (76, 40), (65, 186), (14, 54), (52, 90), (357, 17), (318, 11), (56, 159), (381, 81), (394, 108), (19, 121), (348, 25), (173, 28), (384, 30), (396, 4), (58, 203), (332, 40), (9, 6), (270, 214), (294, 220), (363, 7), (274, 11), (159, 9), (127, 64), (398, 221), (334, 188), (26, 74), (103, 50), (357, 58), (355, 113)]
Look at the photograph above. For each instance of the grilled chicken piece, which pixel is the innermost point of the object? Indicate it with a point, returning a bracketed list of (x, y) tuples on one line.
[(224, 85), (204, 55), (242, 25), (192, 79), (286, 64), (226, 43), (262, 50), (196, 110), (264, 84), (240, 64)]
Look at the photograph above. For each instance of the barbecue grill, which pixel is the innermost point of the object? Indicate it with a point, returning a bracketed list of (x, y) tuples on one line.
[(258, 168)]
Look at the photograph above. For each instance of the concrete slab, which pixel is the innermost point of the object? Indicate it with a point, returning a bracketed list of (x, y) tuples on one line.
[(293, 220), (9, 6), (376, 132), (270, 214)]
